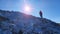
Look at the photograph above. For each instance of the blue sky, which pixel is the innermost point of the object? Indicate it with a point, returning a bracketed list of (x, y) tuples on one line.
[(50, 8)]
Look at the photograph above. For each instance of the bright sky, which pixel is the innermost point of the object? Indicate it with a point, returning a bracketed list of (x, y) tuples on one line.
[(50, 8)]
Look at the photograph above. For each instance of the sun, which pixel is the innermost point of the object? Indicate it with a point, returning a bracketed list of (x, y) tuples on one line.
[(27, 9)]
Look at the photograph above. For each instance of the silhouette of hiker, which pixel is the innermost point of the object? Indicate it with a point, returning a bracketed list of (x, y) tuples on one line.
[(40, 13)]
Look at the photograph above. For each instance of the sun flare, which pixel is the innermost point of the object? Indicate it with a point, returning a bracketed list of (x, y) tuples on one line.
[(27, 9)]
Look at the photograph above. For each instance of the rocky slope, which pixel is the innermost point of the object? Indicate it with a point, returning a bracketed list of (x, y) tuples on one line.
[(18, 23)]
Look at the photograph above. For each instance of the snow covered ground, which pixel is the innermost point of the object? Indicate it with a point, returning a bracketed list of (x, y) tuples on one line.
[(19, 23)]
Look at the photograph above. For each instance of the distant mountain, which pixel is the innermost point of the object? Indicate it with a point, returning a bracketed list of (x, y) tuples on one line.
[(12, 22)]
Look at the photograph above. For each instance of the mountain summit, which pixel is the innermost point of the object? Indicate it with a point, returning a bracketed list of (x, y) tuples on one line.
[(19, 23)]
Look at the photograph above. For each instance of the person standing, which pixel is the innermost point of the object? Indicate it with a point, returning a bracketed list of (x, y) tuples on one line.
[(40, 13)]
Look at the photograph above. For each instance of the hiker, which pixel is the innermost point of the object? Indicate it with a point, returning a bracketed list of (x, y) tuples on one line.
[(40, 13)]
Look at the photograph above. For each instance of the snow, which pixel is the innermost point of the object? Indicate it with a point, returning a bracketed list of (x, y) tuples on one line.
[(28, 24)]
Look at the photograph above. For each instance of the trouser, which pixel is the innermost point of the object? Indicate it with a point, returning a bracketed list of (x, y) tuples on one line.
[(41, 16)]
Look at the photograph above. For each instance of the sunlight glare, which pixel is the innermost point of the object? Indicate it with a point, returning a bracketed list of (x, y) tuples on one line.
[(27, 9)]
